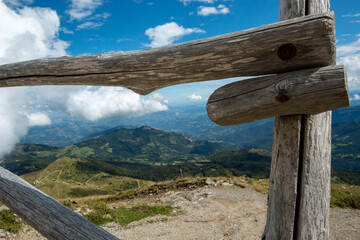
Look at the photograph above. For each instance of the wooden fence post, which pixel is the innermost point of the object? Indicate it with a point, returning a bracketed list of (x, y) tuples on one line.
[(299, 197)]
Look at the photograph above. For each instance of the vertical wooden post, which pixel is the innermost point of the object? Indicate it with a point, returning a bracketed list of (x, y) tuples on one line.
[(299, 196)]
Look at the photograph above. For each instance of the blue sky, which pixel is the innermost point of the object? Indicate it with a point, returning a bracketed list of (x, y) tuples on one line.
[(31, 29), (124, 23), (121, 25)]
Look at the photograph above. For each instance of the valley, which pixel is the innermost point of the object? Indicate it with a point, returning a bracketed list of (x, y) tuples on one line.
[(116, 163)]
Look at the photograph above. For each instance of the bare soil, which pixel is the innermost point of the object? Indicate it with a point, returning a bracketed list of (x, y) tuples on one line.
[(214, 212)]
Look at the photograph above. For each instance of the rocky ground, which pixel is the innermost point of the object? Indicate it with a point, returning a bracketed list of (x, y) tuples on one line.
[(216, 211)]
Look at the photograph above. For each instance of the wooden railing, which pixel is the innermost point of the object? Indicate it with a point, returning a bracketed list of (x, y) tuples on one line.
[(299, 51)]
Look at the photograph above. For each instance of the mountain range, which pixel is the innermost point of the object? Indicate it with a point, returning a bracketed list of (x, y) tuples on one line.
[(143, 145), (193, 121), (129, 156)]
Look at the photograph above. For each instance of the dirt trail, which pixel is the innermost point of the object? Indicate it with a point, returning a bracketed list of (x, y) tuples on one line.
[(214, 212)]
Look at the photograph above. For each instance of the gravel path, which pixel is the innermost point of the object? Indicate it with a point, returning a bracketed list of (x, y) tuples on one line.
[(214, 212)]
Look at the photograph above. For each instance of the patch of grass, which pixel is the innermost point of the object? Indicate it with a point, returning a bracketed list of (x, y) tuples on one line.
[(9, 221), (345, 196), (84, 192), (81, 152), (101, 213), (124, 215), (260, 185)]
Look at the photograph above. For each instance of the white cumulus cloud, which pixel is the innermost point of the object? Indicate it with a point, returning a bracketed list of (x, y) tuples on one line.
[(349, 48), (194, 97), (29, 33), (349, 55), (108, 102), (352, 64), (25, 33), (206, 11), (13, 124), (39, 119), (80, 9), (159, 97), (168, 33)]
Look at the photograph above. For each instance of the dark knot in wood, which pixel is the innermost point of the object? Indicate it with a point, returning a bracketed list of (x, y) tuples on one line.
[(282, 97), (287, 52)]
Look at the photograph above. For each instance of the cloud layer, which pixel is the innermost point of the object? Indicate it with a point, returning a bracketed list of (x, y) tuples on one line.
[(26, 33), (168, 33), (109, 102)]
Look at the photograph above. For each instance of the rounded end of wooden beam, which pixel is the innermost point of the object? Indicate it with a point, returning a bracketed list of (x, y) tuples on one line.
[(310, 91), (211, 111)]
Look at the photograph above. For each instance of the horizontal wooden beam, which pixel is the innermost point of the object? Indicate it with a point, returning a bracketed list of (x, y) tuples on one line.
[(308, 91), (280, 47), (49, 217)]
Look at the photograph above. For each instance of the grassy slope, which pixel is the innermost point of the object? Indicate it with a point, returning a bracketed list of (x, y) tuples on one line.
[(63, 178)]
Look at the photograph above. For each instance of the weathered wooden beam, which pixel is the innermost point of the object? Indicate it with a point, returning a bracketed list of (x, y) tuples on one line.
[(313, 211), (310, 91), (280, 47), (284, 169), (52, 219), (300, 172)]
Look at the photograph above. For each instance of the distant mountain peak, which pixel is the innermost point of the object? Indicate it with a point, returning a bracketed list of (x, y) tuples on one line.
[(145, 127)]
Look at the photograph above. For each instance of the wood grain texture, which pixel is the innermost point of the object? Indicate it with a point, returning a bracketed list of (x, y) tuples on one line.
[(314, 205), (314, 200), (291, 9), (309, 217), (317, 6), (49, 217), (283, 178), (310, 91), (250, 52)]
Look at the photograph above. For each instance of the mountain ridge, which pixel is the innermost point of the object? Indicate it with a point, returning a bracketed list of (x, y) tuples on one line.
[(144, 145)]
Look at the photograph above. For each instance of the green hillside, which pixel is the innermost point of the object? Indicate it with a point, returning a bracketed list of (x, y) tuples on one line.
[(249, 162), (346, 145), (67, 177), (29, 157), (141, 145), (76, 177), (145, 144)]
